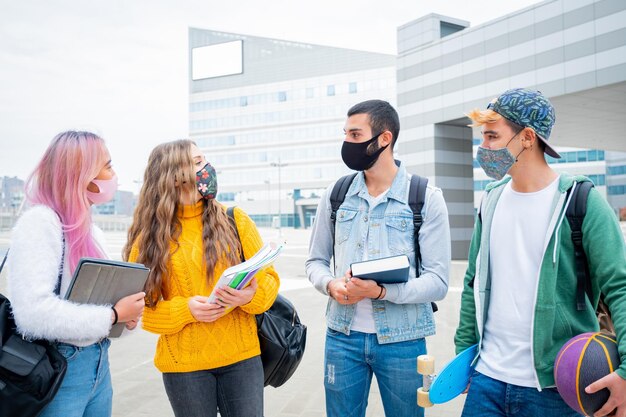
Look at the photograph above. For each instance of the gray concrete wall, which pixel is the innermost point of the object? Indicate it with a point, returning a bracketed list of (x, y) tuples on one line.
[(572, 51)]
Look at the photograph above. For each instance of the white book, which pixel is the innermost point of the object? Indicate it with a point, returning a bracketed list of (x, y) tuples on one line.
[(239, 276)]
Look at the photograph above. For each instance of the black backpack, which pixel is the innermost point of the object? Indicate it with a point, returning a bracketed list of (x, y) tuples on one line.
[(31, 372), (281, 335), (417, 197), (575, 214)]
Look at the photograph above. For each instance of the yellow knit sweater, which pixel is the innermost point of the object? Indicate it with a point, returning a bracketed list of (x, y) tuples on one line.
[(188, 345)]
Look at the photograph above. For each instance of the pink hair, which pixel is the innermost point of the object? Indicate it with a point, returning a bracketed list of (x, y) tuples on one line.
[(60, 182)]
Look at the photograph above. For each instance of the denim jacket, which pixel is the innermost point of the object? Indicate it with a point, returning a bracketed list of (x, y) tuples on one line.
[(385, 229)]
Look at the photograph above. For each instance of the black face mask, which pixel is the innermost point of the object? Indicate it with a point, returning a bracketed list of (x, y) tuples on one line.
[(355, 155)]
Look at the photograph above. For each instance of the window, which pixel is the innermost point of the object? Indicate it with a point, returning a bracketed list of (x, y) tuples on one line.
[(282, 96), (243, 101), (226, 197), (310, 93), (330, 90), (618, 170), (597, 179), (480, 185), (352, 88), (550, 159), (616, 189), (446, 28)]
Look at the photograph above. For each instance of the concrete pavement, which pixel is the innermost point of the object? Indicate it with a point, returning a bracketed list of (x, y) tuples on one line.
[(138, 389)]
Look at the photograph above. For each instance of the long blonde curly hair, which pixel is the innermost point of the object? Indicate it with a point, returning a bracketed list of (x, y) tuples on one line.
[(169, 175)]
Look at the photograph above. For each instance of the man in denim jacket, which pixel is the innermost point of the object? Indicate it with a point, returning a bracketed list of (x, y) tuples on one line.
[(373, 328)]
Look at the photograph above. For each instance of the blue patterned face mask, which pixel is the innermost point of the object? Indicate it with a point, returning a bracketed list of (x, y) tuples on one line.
[(497, 162)]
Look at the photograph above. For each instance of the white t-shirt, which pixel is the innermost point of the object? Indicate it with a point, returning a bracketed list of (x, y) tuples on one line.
[(516, 248), (363, 320)]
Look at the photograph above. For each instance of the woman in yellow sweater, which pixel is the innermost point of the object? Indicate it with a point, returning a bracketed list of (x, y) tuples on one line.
[(209, 359)]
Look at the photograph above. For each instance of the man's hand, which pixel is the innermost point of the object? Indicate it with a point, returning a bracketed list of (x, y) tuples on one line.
[(364, 288), (617, 400), (337, 290)]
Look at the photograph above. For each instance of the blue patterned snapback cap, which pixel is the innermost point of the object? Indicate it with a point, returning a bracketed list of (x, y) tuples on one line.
[(528, 108)]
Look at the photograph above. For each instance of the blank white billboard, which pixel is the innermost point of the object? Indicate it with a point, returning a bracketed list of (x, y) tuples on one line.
[(217, 60)]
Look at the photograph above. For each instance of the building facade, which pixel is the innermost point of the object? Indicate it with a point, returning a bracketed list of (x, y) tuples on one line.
[(572, 51), (270, 115), (11, 194), (122, 204), (271, 121)]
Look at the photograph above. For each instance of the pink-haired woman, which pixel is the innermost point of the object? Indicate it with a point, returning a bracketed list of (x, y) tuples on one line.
[(46, 245)]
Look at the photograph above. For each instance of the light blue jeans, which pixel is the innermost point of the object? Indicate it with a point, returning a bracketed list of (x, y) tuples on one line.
[(349, 363), (488, 397), (86, 390)]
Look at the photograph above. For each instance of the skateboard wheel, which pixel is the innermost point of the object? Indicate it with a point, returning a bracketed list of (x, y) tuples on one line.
[(423, 399), (425, 365)]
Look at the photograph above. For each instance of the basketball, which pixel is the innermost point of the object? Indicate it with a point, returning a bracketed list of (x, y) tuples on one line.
[(581, 361)]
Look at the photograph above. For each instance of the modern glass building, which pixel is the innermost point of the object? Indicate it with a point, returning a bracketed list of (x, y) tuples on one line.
[(607, 170), (616, 182), (269, 115), (574, 52)]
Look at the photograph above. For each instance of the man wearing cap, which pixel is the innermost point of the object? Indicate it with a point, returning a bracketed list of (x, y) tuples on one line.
[(519, 295)]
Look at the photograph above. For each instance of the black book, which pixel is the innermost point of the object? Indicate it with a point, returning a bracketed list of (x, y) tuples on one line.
[(389, 270)]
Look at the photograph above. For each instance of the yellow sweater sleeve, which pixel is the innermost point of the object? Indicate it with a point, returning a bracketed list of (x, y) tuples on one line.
[(267, 278), (168, 317)]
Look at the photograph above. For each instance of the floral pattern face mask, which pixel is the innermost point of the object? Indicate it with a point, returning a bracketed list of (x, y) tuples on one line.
[(206, 181)]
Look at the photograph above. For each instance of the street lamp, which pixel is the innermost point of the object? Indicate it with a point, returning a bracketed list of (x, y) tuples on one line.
[(269, 201), (279, 165)]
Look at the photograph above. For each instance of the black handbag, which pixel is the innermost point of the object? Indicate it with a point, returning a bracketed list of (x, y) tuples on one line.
[(282, 336), (283, 339), (31, 372)]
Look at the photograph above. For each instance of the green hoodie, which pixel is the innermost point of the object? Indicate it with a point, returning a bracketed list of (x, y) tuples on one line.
[(555, 318)]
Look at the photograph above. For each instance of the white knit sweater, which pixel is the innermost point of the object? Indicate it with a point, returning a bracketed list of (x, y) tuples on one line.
[(33, 270)]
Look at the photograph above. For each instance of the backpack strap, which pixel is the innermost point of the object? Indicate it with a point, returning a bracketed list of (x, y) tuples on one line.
[(337, 197), (4, 260), (230, 211), (575, 214), (57, 288), (417, 197)]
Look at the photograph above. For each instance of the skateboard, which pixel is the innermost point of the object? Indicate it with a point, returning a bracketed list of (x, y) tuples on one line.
[(451, 381)]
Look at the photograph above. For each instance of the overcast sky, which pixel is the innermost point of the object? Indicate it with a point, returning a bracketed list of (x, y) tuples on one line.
[(119, 67)]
